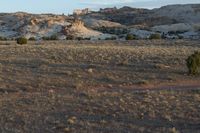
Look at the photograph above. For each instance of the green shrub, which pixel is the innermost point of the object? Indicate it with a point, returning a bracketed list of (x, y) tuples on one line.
[(155, 36), (193, 63), (130, 37), (22, 40)]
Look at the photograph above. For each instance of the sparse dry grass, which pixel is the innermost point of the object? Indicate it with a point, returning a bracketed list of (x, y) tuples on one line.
[(78, 87), (116, 64)]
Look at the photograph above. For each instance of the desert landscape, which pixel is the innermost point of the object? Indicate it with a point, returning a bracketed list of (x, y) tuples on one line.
[(169, 22), (98, 86), (111, 70)]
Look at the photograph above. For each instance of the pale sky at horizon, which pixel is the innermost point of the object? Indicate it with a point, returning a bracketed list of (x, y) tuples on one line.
[(67, 6)]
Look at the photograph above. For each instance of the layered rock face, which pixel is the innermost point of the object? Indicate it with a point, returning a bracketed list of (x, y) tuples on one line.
[(189, 13), (77, 29), (172, 21)]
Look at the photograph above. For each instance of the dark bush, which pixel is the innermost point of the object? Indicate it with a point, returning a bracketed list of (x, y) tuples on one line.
[(87, 38), (180, 37), (32, 39), (52, 37), (155, 36), (79, 38), (193, 63), (130, 37), (45, 38), (3, 38), (69, 37), (163, 36), (111, 38), (22, 40)]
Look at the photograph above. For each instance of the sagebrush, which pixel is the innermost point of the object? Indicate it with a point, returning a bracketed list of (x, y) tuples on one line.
[(193, 63)]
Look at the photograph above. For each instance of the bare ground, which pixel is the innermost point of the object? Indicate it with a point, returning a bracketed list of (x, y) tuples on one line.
[(137, 86)]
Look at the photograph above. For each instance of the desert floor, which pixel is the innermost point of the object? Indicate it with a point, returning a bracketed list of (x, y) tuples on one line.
[(98, 87)]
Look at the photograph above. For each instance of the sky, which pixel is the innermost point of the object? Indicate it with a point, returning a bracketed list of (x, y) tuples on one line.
[(67, 6)]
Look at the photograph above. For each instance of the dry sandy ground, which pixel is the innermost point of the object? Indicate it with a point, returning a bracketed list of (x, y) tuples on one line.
[(125, 87)]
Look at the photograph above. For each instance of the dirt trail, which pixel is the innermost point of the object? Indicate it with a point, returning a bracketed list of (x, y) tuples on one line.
[(177, 86)]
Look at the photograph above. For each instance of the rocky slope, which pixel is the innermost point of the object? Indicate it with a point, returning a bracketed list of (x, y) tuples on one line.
[(97, 23), (170, 14), (175, 20), (44, 25), (77, 29), (31, 25)]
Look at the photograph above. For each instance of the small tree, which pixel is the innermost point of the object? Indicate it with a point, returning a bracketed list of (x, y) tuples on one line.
[(22, 40), (155, 36), (130, 37), (193, 63)]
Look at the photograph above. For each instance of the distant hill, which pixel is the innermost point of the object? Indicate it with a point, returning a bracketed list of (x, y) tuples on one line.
[(170, 14), (172, 21)]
